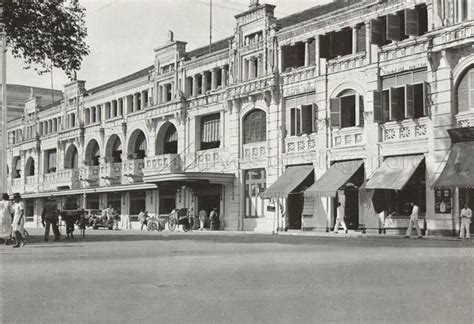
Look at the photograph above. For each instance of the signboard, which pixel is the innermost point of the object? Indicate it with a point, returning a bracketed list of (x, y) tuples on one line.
[(443, 201)]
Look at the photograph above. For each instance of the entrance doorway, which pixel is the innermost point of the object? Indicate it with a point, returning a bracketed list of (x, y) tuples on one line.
[(209, 202), (466, 196)]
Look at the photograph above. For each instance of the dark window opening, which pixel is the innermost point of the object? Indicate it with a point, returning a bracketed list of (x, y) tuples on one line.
[(171, 141), (301, 120), (293, 56), (336, 44), (348, 111)]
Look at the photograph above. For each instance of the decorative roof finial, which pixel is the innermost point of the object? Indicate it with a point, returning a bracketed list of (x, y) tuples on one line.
[(170, 36), (253, 3)]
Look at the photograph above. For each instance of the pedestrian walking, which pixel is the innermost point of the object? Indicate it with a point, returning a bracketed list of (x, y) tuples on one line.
[(69, 219), (82, 223), (414, 221), (142, 217), (466, 217), (18, 224), (214, 219), (191, 217), (340, 219), (6, 211), (202, 219), (49, 218)]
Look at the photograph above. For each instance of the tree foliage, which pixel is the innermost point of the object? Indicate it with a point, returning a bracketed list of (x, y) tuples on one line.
[(45, 33)]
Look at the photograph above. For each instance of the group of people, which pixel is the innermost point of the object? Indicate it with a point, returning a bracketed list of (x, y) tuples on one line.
[(212, 219), (13, 220), (111, 217)]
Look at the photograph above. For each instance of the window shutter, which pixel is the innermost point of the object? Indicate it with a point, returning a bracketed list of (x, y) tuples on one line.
[(393, 27), (307, 119), (394, 113), (385, 105), (426, 108), (409, 101), (361, 38), (315, 118), (376, 32), (298, 121), (411, 22), (335, 107), (378, 107), (312, 52), (292, 121), (361, 111)]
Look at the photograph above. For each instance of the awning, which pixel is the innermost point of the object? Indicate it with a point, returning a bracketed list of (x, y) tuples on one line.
[(288, 181), (334, 178), (211, 177), (459, 170), (394, 172)]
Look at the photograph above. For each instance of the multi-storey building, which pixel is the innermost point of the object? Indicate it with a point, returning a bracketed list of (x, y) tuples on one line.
[(350, 99)]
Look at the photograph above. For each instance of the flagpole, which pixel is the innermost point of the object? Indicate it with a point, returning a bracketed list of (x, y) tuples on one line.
[(210, 26), (4, 136)]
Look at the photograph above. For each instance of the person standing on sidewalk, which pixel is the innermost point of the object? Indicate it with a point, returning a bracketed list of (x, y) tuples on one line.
[(466, 216), (414, 221), (18, 221), (49, 217), (6, 211), (202, 219), (340, 219)]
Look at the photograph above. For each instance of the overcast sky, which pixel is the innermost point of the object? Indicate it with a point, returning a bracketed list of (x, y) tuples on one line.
[(123, 33)]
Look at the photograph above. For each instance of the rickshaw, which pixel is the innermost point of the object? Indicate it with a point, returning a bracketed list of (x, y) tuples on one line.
[(179, 217)]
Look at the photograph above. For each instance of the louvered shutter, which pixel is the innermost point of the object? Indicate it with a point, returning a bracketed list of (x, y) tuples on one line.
[(307, 119), (292, 121), (385, 105), (376, 32), (411, 22), (410, 101), (393, 27), (426, 108), (361, 111), (378, 107), (335, 107), (394, 113), (312, 52), (361, 38)]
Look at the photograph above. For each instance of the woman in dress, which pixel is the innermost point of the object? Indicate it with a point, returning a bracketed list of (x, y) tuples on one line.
[(18, 220), (6, 211)]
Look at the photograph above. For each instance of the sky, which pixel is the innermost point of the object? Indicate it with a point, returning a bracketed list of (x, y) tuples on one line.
[(123, 33)]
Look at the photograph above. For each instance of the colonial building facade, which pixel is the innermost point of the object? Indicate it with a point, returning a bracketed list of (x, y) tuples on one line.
[(272, 126)]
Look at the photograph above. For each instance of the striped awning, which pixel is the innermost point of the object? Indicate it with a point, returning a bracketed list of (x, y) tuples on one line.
[(395, 172), (459, 170), (210, 128), (334, 178), (288, 181)]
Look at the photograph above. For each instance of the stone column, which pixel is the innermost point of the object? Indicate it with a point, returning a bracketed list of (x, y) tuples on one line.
[(259, 66), (195, 85), (306, 52), (214, 79), (135, 102), (251, 68), (224, 75), (114, 108), (142, 100), (120, 106), (245, 69), (204, 82), (354, 39)]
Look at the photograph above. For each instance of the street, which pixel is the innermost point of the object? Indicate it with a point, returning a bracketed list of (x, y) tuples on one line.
[(202, 277)]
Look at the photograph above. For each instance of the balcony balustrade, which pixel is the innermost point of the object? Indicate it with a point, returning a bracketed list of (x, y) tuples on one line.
[(162, 164), (111, 173), (68, 178), (407, 130), (132, 171), (300, 144), (255, 151), (17, 185), (348, 137), (90, 176)]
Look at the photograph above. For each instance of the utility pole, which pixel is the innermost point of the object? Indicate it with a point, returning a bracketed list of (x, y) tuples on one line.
[(3, 118)]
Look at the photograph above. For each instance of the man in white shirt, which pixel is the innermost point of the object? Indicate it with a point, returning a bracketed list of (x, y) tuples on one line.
[(466, 215), (413, 221)]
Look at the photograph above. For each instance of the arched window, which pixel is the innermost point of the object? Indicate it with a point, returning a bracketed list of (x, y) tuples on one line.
[(16, 167), (30, 167), (71, 158), (171, 140), (113, 152), (255, 127), (92, 153), (465, 91), (347, 110), (137, 146)]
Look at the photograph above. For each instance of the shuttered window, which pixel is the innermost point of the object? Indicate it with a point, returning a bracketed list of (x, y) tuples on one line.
[(51, 166), (255, 127), (210, 131), (312, 52), (465, 91), (361, 38)]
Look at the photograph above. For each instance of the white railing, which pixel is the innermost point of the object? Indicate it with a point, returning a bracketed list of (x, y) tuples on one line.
[(68, 178), (346, 62), (406, 130), (17, 185), (347, 137), (465, 119), (300, 144), (162, 164), (133, 170)]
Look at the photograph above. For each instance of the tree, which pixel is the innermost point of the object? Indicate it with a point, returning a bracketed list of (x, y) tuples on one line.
[(46, 33)]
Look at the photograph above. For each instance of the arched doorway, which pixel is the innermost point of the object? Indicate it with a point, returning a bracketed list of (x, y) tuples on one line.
[(137, 146), (93, 153), (113, 152), (167, 140), (30, 167), (71, 159), (16, 170)]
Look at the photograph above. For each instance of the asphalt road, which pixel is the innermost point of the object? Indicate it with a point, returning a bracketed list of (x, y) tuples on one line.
[(124, 277)]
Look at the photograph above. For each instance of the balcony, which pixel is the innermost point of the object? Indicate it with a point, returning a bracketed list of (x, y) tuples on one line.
[(17, 185), (162, 164), (31, 183), (346, 62), (68, 178), (90, 176), (465, 119), (255, 151), (348, 137), (132, 171), (111, 173), (246, 88), (300, 144), (406, 130), (49, 182), (213, 160)]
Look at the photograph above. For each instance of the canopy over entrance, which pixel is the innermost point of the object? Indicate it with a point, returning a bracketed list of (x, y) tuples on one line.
[(459, 170), (334, 178), (288, 181), (394, 172)]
